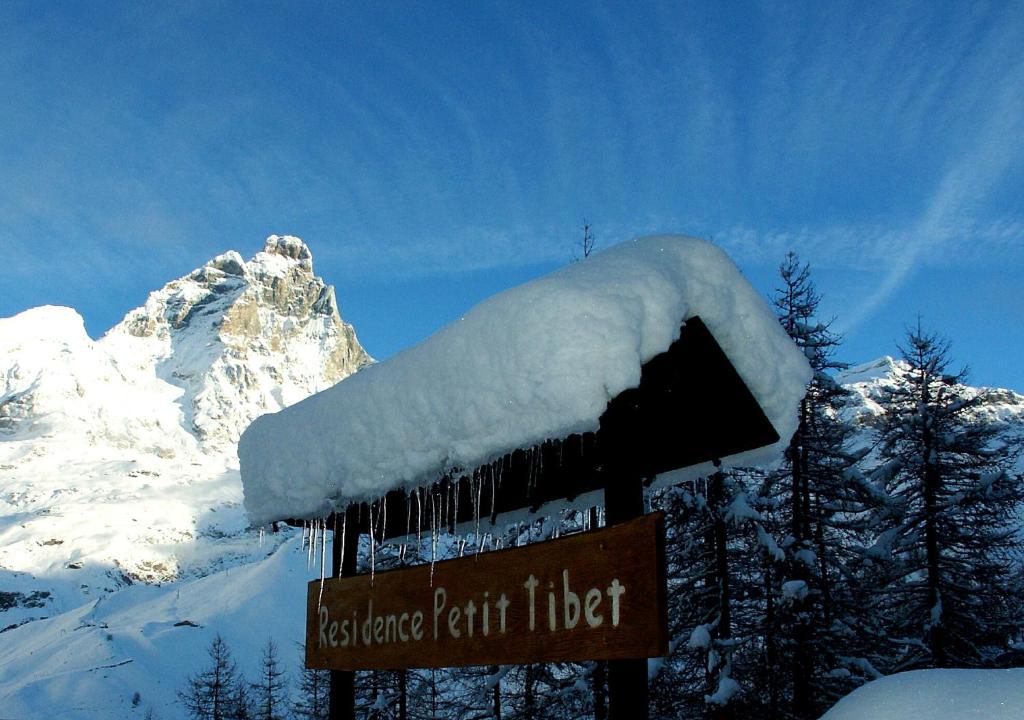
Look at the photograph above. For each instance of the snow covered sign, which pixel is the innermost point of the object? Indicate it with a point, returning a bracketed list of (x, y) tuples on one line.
[(643, 365), (590, 596), (652, 360)]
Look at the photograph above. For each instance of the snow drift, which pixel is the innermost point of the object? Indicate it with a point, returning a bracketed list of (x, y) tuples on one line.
[(936, 695)]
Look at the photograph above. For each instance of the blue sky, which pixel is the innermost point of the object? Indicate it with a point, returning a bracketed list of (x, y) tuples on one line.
[(432, 154)]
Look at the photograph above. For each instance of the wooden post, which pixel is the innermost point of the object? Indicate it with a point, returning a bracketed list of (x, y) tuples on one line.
[(599, 681), (342, 698), (403, 695), (627, 679)]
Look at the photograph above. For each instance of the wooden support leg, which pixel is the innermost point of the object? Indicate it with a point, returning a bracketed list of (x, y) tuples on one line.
[(342, 704), (627, 689), (342, 701), (627, 679)]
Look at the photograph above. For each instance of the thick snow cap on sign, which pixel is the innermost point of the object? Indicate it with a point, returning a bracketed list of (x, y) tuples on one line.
[(539, 361)]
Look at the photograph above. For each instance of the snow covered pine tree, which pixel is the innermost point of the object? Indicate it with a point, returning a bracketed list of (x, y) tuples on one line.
[(213, 694), (312, 697), (822, 509), (954, 595)]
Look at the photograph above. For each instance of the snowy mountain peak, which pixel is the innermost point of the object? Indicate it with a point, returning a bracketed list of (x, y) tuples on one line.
[(878, 369), (117, 456), (241, 338), (871, 381), (206, 353), (43, 337), (289, 246)]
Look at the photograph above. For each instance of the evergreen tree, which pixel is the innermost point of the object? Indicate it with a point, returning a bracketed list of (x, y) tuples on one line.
[(400, 694), (953, 598), (269, 701), (536, 690), (821, 512), (585, 245), (313, 694), (435, 694), (678, 688), (715, 609), (240, 706), (473, 688), (212, 693)]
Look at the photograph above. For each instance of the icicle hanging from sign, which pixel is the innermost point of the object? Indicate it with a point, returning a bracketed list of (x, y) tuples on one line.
[(476, 507), (344, 536), (373, 549), (419, 518), (323, 562)]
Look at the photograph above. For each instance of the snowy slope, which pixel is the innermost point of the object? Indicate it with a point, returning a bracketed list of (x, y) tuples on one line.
[(117, 456), (90, 662)]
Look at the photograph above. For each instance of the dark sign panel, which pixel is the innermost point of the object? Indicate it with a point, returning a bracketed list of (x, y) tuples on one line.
[(592, 596)]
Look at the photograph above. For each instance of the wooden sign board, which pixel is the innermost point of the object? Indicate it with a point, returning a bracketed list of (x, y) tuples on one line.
[(598, 595)]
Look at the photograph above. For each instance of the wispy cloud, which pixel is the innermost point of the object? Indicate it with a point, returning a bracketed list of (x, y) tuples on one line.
[(972, 175), (951, 121), (394, 155)]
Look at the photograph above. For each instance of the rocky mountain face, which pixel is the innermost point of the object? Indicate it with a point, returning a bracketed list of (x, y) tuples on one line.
[(228, 341), (868, 383), (241, 338), (996, 406), (117, 455)]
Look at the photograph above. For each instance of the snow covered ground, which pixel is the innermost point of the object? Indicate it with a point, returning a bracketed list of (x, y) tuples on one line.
[(936, 695), (90, 661)]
